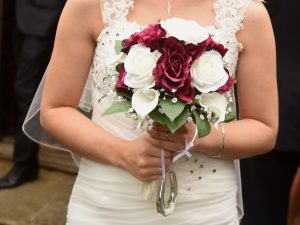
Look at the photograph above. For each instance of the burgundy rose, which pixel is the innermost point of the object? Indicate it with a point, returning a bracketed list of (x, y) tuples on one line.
[(226, 87), (195, 51), (146, 37), (187, 92), (210, 44), (120, 85), (173, 69)]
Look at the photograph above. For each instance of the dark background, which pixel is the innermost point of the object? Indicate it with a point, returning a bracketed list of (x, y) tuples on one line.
[(8, 64)]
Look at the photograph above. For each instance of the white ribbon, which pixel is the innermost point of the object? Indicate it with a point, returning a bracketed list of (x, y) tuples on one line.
[(163, 163), (184, 152), (188, 146)]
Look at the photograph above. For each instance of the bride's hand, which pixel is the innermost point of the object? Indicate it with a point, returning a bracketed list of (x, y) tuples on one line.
[(163, 138), (142, 159)]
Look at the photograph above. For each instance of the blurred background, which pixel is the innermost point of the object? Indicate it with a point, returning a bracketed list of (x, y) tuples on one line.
[(45, 200)]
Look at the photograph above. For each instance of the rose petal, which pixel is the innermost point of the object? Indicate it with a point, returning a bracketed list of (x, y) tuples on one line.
[(190, 31)]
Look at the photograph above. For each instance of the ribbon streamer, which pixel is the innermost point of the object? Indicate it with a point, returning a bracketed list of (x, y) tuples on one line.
[(163, 163), (185, 151)]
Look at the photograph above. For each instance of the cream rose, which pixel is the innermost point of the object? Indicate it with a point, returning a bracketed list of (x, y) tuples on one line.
[(215, 104), (185, 30), (139, 65), (208, 72)]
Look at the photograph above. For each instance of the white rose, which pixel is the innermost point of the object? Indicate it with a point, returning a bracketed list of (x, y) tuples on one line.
[(144, 101), (208, 72), (215, 104), (185, 30), (139, 65)]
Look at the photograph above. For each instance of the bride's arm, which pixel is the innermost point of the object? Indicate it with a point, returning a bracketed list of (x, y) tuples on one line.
[(75, 42), (255, 131)]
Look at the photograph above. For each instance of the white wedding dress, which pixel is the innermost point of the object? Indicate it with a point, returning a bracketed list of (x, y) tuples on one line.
[(209, 188)]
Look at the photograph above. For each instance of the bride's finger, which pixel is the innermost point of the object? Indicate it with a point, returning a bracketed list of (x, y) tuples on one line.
[(160, 135), (156, 153), (151, 178), (148, 172), (168, 145), (152, 162), (160, 127)]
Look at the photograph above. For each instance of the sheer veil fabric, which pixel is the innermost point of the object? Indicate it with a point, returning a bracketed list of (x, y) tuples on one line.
[(32, 126), (229, 17)]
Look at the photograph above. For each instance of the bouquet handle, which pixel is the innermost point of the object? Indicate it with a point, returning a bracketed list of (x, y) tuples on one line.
[(162, 207)]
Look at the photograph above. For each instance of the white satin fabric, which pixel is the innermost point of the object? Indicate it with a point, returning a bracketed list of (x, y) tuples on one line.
[(110, 196)]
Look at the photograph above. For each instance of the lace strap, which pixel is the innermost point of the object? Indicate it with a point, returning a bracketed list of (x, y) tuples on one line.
[(115, 9), (230, 14)]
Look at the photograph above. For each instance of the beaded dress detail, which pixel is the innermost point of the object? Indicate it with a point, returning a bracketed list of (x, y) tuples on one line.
[(208, 186)]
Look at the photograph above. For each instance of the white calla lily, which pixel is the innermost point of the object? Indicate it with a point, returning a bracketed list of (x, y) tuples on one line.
[(144, 101), (215, 104)]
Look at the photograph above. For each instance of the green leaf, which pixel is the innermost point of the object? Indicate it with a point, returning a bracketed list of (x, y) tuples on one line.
[(172, 110), (119, 67), (232, 115), (118, 46), (178, 122), (117, 107), (158, 117), (126, 95), (203, 126)]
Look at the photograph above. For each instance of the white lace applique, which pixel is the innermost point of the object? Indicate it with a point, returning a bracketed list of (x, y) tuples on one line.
[(229, 20), (103, 71), (115, 9), (228, 15)]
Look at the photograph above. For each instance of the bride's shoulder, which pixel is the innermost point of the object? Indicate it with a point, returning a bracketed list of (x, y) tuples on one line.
[(84, 6), (256, 20), (257, 26), (256, 12), (84, 14)]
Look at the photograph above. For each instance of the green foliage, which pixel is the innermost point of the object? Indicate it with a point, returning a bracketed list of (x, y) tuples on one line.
[(178, 122), (126, 95), (118, 46), (172, 110), (203, 126), (117, 107), (158, 117), (231, 115), (164, 119), (118, 67)]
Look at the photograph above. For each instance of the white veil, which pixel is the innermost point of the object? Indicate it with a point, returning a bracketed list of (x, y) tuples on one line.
[(32, 126)]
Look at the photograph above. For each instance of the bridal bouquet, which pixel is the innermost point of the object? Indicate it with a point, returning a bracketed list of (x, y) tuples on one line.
[(173, 72)]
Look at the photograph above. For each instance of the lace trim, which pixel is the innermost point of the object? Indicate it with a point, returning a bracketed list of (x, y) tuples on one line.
[(115, 9), (230, 14)]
